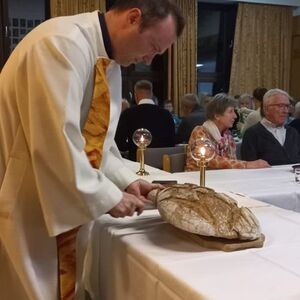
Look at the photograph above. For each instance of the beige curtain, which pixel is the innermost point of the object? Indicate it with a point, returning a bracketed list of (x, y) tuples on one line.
[(182, 77), (262, 48), (72, 7)]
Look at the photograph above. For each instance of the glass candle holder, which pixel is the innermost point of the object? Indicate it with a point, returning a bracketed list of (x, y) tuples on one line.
[(202, 150), (142, 138)]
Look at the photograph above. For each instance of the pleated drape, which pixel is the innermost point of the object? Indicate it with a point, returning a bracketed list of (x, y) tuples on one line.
[(262, 48), (182, 76), (72, 7)]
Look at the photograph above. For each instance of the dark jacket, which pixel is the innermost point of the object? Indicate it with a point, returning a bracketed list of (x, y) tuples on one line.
[(196, 117), (157, 120), (259, 143), (295, 124)]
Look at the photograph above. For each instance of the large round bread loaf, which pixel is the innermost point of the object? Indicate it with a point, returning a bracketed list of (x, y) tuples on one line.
[(203, 211)]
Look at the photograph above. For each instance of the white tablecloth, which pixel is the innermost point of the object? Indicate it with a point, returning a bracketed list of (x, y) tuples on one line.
[(145, 258), (275, 185)]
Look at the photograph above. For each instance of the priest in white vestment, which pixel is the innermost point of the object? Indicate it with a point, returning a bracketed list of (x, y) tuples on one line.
[(49, 184)]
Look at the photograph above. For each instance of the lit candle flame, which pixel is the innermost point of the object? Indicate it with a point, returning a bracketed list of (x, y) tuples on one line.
[(202, 151), (142, 139)]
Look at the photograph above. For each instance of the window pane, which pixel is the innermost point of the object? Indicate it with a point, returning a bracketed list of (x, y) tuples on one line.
[(216, 24), (206, 87), (23, 19), (208, 36)]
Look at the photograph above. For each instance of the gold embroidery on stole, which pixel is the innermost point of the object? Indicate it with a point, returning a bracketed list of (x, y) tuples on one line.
[(94, 132)]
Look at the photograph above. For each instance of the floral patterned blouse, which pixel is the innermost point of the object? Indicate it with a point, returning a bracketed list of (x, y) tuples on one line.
[(225, 157)]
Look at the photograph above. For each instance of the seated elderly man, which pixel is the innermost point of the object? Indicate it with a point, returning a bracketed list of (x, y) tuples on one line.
[(269, 139)]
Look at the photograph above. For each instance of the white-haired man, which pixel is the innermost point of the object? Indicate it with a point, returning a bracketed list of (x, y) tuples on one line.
[(270, 139)]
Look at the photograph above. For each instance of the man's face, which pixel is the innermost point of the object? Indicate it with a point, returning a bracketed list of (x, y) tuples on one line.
[(135, 45), (169, 107), (276, 110)]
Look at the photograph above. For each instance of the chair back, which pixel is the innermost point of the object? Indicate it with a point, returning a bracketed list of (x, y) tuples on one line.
[(154, 156), (174, 162)]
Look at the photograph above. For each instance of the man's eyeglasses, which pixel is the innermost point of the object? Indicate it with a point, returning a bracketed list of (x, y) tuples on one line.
[(281, 106)]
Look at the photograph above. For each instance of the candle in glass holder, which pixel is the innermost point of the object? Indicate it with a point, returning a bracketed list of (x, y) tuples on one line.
[(202, 166), (202, 150), (142, 138)]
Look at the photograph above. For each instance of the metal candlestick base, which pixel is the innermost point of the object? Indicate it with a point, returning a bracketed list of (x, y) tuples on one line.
[(202, 173), (142, 172)]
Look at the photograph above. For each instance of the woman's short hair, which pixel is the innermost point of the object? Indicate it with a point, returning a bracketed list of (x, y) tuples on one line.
[(219, 104), (244, 96), (190, 100)]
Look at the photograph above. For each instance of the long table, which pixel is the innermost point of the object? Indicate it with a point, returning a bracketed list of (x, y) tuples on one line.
[(275, 185), (145, 258)]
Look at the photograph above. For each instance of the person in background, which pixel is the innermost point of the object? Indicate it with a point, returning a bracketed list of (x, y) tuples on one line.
[(296, 122), (205, 99), (168, 105), (146, 114), (193, 114), (255, 116), (246, 100), (60, 101), (125, 104), (221, 115), (245, 104), (269, 139), (291, 113)]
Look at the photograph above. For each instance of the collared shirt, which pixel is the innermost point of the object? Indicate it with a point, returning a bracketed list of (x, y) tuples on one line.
[(146, 101), (278, 132), (105, 35)]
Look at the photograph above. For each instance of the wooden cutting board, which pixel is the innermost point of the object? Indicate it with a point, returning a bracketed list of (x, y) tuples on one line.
[(226, 244), (222, 244)]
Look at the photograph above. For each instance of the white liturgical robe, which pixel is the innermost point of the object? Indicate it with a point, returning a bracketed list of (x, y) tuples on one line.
[(47, 185)]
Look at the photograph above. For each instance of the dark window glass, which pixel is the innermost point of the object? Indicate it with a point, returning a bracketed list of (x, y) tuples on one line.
[(15, 22), (216, 24), (22, 23)]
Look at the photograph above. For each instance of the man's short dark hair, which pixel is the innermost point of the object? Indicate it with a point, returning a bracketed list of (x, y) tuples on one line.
[(259, 93), (143, 85), (153, 11)]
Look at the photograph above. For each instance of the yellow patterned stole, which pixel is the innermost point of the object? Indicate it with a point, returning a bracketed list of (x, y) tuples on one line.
[(94, 132)]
